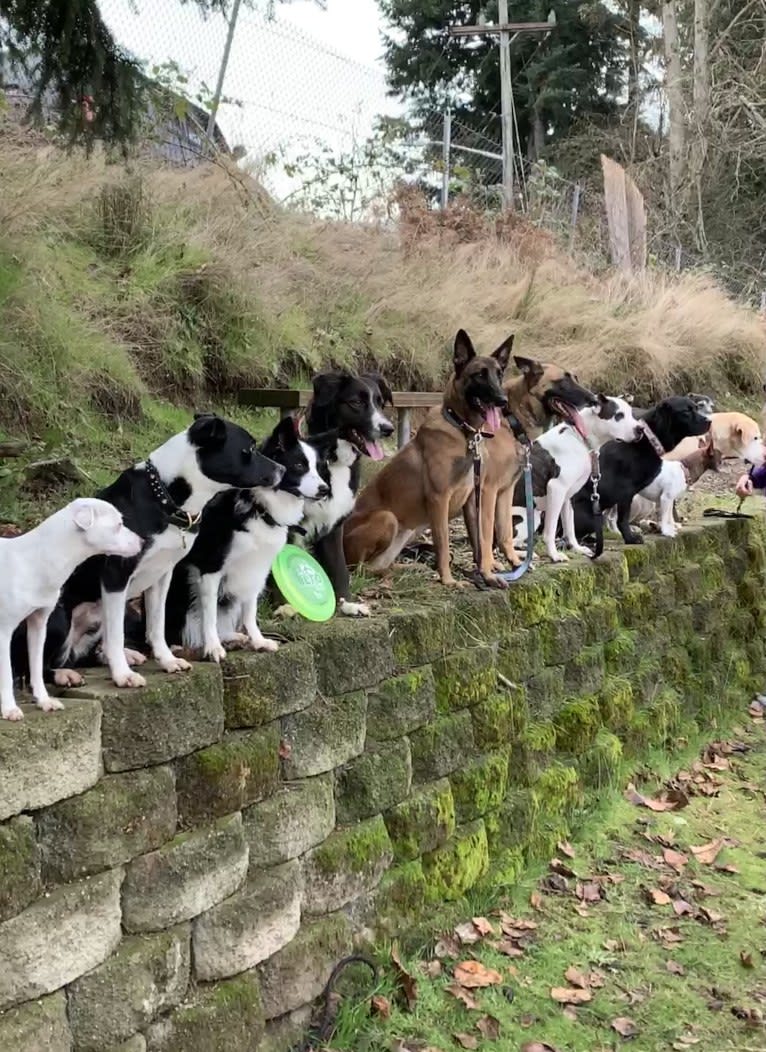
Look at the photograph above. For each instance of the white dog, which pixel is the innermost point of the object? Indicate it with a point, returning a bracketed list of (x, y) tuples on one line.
[(33, 568)]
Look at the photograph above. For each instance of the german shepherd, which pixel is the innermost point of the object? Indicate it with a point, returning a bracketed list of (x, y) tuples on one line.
[(431, 478), (542, 394)]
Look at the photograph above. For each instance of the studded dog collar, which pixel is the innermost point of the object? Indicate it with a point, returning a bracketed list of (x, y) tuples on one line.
[(185, 521), (652, 439)]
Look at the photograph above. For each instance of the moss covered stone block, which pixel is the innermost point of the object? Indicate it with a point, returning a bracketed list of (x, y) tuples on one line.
[(689, 582), (577, 723), (576, 583), (169, 717), (611, 572), (401, 704), (421, 636), (636, 604), (623, 653), (640, 560), (298, 973), (482, 616), (227, 776), (601, 763), (441, 747), (532, 752), (400, 898), (714, 574), (325, 735), (464, 678), (522, 655), (224, 1017), (558, 790), (297, 817), (259, 688), (453, 869), (500, 719), (251, 925), (601, 620), (350, 655), (348, 864), (20, 880), (38, 1026), (423, 822), (534, 599), (375, 781), (480, 786), (562, 638), (148, 974), (615, 700), (123, 816), (546, 691), (585, 673), (43, 760), (185, 877), (511, 825)]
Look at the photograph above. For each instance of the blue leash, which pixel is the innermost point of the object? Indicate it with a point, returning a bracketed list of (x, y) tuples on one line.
[(518, 571)]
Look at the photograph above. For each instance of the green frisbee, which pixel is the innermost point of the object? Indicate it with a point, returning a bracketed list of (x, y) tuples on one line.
[(304, 584)]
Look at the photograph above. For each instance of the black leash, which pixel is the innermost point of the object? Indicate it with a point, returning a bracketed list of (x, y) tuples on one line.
[(186, 522), (322, 1032), (595, 501)]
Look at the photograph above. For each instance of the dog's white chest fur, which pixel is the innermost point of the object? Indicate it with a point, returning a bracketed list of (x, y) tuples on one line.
[(167, 549), (322, 515)]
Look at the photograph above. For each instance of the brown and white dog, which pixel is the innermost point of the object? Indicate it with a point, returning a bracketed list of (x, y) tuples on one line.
[(734, 435)]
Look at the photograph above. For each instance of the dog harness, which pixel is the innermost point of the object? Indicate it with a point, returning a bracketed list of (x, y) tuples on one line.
[(184, 520)]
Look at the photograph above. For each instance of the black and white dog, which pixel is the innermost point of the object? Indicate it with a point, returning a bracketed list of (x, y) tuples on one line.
[(627, 468), (215, 588), (161, 499), (351, 406)]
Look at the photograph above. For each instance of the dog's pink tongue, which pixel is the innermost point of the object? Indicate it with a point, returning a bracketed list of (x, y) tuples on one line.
[(492, 418), (578, 424), (374, 450)]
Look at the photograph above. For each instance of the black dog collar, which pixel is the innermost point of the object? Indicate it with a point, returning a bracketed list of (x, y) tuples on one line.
[(269, 519), (176, 516), (516, 426), (452, 418), (652, 439)]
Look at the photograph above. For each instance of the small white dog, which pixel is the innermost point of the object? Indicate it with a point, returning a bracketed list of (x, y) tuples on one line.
[(33, 568)]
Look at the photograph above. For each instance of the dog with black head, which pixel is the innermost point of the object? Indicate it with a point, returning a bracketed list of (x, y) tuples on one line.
[(162, 499)]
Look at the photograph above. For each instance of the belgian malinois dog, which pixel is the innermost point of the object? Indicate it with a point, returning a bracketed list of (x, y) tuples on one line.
[(428, 482), (542, 394)]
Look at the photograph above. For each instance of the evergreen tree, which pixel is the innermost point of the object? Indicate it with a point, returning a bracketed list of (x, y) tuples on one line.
[(575, 72)]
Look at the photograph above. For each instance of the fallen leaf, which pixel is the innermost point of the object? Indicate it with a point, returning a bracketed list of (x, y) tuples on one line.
[(685, 1043), (566, 848), (575, 978), (706, 854), (285, 750), (474, 974), (507, 948), (526, 1021), (489, 1027), (589, 892), (536, 901), (674, 968), (433, 969), (676, 859), (467, 1040), (710, 915), (625, 1027), (467, 933), (567, 995), (582, 909), (705, 889), (681, 907), (612, 945), (407, 987), (555, 884), (673, 800), (557, 866), (461, 994), (729, 868), (537, 1046), (746, 959), (380, 1006), (482, 925), (658, 897), (669, 936), (447, 947)]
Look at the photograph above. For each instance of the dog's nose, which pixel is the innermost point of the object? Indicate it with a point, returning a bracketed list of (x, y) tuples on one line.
[(638, 431), (386, 429), (323, 490)]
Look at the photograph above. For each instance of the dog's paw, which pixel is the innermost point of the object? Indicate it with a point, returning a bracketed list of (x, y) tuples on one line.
[(634, 537), (49, 704), (559, 557), (582, 550), (176, 664), (285, 611), (491, 581), (134, 657), (239, 641), (215, 653), (67, 677), (264, 644), (15, 714), (353, 609), (129, 679)]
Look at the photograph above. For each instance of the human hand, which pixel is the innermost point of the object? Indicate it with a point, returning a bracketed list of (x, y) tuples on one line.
[(744, 486)]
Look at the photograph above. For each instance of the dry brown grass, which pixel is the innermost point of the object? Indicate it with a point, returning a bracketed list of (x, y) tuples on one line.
[(320, 293)]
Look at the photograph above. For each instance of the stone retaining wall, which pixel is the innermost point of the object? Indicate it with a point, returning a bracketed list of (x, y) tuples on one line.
[(181, 866)]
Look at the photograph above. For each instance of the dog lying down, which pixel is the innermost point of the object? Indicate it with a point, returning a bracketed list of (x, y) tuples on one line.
[(33, 568)]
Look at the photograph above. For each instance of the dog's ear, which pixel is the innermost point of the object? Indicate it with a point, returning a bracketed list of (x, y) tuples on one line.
[(530, 369), (323, 442), (386, 394), (327, 387), (285, 434), (462, 352), (207, 430), (83, 514), (503, 353)]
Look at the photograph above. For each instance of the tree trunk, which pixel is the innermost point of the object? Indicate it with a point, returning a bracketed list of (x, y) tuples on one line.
[(675, 93), (701, 101), (536, 140), (633, 16)]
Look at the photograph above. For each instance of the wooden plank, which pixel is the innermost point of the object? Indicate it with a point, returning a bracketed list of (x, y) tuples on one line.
[(275, 398), (403, 428), (505, 27)]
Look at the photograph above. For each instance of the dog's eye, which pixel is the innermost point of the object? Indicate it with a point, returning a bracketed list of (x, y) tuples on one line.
[(619, 416), (247, 454)]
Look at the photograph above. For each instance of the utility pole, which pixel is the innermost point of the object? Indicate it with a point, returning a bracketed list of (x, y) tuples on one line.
[(222, 70), (446, 140), (507, 32)]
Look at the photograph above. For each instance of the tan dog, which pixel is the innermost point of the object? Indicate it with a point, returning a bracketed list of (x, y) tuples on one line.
[(733, 435), (431, 478)]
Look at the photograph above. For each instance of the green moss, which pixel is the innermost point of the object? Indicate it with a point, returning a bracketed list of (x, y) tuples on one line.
[(585, 673), (511, 825), (223, 1015), (636, 603), (505, 868), (615, 701), (451, 870), (622, 653), (259, 688), (576, 583), (421, 636), (401, 704), (400, 897), (689, 583), (522, 656), (558, 790), (601, 619), (464, 678), (441, 747), (480, 786), (533, 599), (577, 724), (356, 850), (546, 691), (601, 764), (373, 782), (640, 560), (713, 572), (611, 571), (423, 822), (19, 866), (664, 717), (500, 719), (562, 639)]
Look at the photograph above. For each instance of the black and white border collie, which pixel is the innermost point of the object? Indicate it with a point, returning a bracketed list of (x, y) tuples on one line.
[(161, 499), (215, 588), (352, 406)]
